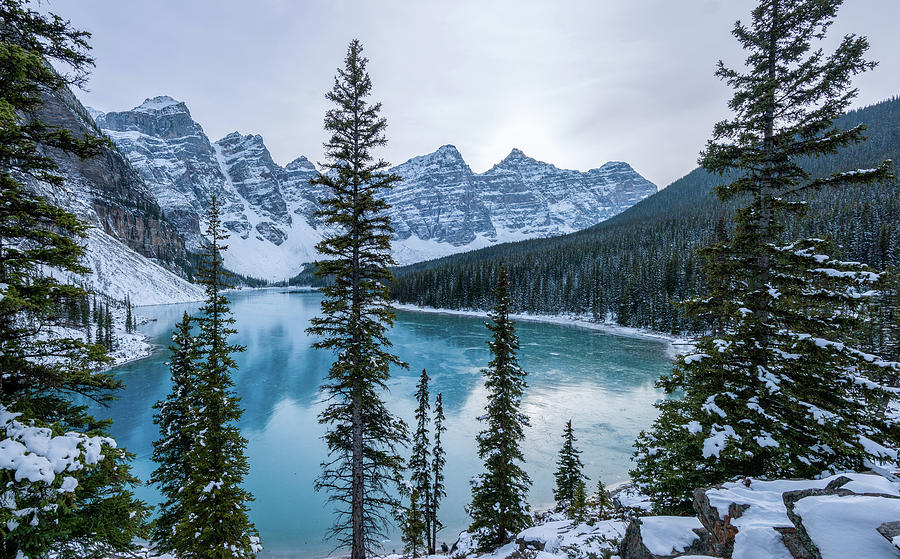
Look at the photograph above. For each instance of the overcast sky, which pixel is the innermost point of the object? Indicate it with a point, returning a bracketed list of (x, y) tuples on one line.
[(574, 83)]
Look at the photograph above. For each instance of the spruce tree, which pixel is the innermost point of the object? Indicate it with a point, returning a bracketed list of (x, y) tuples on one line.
[(783, 390), (88, 510), (569, 473), (603, 503), (129, 318), (419, 463), (499, 507), (412, 524), (363, 436), (176, 417), (213, 521), (438, 461)]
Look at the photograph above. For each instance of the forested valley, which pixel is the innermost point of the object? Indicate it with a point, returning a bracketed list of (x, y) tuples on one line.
[(634, 267)]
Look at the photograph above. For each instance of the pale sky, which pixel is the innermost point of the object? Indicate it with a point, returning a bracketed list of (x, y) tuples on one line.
[(572, 82)]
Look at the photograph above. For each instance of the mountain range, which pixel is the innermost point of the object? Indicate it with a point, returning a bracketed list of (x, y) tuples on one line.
[(440, 207), (634, 266)]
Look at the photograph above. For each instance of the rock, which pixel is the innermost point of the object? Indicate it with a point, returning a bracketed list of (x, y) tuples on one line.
[(891, 532), (665, 537), (742, 515)]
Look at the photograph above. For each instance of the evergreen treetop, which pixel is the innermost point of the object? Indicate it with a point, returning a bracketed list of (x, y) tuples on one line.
[(419, 464), (438, 461), (213, 506), (176, 417), (363, 437)]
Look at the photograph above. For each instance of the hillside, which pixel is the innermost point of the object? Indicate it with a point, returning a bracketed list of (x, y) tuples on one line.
[(636, 263)]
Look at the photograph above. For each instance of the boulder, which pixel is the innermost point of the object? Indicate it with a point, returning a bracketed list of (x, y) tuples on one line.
[(665, 537)]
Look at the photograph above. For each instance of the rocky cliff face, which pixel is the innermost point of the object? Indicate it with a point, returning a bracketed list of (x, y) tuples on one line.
[(439, 208), (131, 232)]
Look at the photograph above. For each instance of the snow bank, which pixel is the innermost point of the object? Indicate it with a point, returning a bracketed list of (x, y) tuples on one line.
[(847, 526), (669, 535)]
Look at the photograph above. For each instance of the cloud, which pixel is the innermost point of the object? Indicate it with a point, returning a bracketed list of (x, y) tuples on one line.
[(572, 82)]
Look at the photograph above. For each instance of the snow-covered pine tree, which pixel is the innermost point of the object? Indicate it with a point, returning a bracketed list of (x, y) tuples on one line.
[(438, 461), (569, 474), (419, 463), (499, 507), (176, 419), (779, 391), (86, 507), (363, 437), (214, 505)]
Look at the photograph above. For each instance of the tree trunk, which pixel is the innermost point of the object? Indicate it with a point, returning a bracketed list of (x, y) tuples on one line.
[(358, 548)]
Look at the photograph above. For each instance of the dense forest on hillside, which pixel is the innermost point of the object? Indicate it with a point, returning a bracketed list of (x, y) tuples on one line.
[(634, 266)]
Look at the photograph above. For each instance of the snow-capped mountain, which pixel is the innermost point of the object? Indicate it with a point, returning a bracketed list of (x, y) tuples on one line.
[(131, 249), (441, 206)]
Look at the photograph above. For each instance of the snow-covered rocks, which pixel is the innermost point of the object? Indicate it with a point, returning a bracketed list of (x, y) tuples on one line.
[(657, 537), (572, 539), (844, 515)]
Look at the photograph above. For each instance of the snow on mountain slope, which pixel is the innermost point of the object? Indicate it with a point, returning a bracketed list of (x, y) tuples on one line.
[(130, 242), (119, 271), (440, 207)]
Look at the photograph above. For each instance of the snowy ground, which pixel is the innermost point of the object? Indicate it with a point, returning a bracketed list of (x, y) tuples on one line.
[(677, 345), (128, 346)]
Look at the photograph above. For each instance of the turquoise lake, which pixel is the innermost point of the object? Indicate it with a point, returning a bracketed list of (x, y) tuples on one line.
[(603, 382)]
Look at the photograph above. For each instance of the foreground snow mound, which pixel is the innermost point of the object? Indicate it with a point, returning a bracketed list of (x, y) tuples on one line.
[(841, 516)]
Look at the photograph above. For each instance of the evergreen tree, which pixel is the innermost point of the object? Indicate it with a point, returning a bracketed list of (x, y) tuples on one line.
[(579, 504), (363, 437), (129, 318), (603, 502), (176, 417), (499, 507), (108, 334), (412, 524), (438, 461), (569, 473), (213, 520), (780, 391), (88, 510), (420, 464)]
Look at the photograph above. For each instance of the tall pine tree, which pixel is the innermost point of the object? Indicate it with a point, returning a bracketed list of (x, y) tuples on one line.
[(213, 521), (363, 437), (569, 474), (782, 389), (499, 508), (438, 461), (176, 417), (419, 464), (88, 510)]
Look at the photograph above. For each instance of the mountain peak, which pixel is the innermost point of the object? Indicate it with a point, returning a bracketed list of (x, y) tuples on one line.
[(301, 162), (159, 103)]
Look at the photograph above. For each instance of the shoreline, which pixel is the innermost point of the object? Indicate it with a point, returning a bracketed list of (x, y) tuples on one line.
[(675, 345)]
